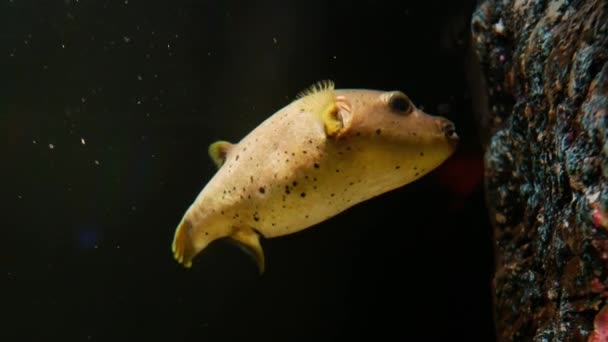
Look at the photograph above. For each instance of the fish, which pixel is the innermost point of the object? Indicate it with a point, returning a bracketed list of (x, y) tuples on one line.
[(323, 153)]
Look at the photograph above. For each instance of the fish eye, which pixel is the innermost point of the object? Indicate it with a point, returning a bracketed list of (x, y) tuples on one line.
[(400, 104)]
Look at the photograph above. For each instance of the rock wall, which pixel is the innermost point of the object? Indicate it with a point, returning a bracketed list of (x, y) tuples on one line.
[(545, 83)]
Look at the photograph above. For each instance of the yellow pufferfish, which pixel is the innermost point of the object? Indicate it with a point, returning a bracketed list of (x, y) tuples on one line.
[(323, 153)]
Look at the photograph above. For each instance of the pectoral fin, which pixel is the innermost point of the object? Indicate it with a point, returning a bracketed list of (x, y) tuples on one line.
[(334, 111), (218, 151), (249, 241)]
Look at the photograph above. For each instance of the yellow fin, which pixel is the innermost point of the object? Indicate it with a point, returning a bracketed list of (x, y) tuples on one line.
[(319, 87), (320, 99), (183, 250), (249, 241), (218, 151)]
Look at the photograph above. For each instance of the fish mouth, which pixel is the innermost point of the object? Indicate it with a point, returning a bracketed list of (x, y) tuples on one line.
[(449, 133)]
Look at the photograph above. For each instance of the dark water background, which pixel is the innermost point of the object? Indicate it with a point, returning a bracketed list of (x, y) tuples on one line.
[(106, 112)]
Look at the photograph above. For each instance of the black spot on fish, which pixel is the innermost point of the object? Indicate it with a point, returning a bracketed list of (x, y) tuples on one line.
[(351, 183), (303, 194), (237, 157), (358, 134), (314, 187), (310, 141), (304, 152), (293, 154), (294, 183), (348, 148), (262, 190), (222, 212), (421, 154), (316, 166), (287, 191), (378, 131), (415, 168), (256, 217), (251, 179), (337, 170), (332, 195), (306, 216), (397, 167), (314, 179), (416, 174), (305, 177)]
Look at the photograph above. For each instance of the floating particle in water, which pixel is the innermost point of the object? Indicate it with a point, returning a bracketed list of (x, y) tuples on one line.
[(82, 141), (126, 39), (34, 142), (51, 146), (274, 40), (96, 162), (139, 78), (83, 99)]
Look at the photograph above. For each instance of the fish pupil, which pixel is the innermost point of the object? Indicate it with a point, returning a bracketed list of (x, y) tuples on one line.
[(400, 104)]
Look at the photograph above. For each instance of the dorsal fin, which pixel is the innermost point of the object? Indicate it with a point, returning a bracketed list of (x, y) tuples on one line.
[(218, 151), (320, 99), (317, 88)]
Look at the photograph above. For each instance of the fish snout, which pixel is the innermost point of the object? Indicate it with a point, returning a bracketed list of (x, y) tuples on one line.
[(449, 131)]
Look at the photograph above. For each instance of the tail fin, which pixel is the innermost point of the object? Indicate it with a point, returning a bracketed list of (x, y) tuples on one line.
[(183, 249)]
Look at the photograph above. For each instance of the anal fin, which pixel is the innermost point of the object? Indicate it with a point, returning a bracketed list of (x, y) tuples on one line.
[(249, 241)]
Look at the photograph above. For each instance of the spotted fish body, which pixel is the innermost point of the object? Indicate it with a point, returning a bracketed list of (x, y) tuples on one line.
[(318, 156)]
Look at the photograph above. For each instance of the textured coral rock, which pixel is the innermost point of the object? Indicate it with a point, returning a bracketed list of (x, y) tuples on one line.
[(545, 78)]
